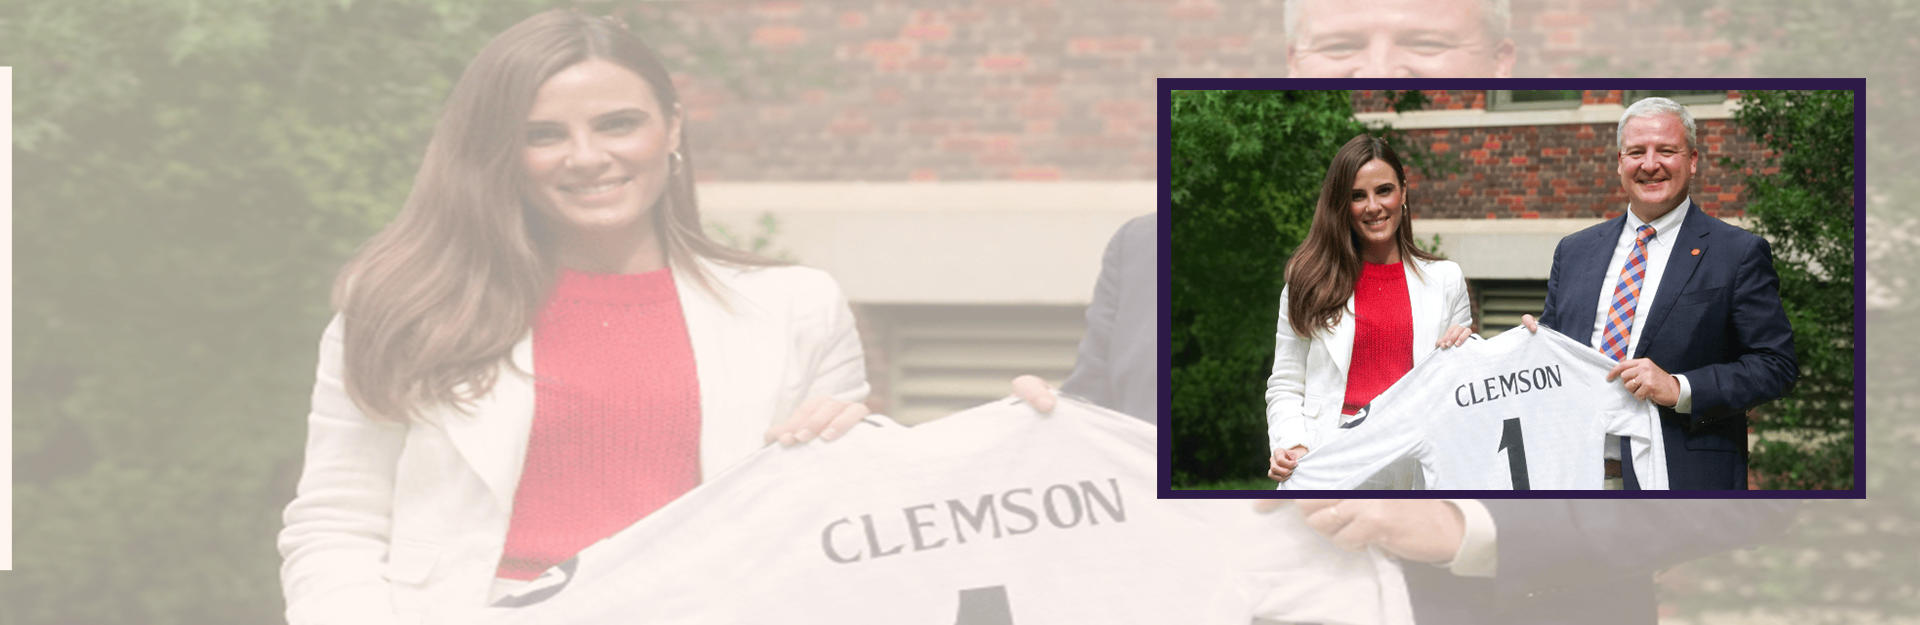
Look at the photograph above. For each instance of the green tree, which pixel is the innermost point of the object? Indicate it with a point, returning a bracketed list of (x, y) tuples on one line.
[(1798, 208)]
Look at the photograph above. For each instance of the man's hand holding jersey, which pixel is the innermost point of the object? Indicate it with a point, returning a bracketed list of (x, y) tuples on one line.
[(1641, 376)]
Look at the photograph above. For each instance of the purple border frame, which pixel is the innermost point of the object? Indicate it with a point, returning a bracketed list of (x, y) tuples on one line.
[(1164, 101)]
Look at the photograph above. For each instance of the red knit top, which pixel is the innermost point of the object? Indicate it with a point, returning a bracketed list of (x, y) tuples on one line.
[(1382, 334), (616, 417)]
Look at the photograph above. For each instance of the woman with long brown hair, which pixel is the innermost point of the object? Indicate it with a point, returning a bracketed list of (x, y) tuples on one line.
[(544, 347), (1361, 306)]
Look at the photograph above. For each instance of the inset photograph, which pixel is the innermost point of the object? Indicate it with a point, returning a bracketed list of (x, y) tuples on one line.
[(1574, 289)]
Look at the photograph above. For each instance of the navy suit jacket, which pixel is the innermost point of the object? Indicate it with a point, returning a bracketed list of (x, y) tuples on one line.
[(1717, 319), (1565, 561), (1119, 365)]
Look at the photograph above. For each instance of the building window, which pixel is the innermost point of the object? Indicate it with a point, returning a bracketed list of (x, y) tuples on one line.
[(1698, 96), (941, 359), (1501, 302), (1534, 100)]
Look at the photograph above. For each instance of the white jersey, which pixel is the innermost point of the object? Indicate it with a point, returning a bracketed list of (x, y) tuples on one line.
[(993, 516), (1521, 411)]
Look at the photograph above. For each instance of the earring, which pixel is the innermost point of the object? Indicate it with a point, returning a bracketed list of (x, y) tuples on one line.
[(676, 162)]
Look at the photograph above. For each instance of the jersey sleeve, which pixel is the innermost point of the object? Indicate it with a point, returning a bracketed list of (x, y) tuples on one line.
[(1639, 422), (1347, 457)]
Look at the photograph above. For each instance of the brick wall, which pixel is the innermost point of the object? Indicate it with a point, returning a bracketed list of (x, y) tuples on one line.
[(1550, 171), (1554, 38), (966, 90), (898, 90)]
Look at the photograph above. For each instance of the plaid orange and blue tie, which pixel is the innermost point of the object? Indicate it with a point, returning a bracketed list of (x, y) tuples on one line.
[(1625, 295)]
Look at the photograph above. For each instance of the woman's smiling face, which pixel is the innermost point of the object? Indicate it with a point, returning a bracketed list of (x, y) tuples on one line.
[(595, 151), (1376, 200)]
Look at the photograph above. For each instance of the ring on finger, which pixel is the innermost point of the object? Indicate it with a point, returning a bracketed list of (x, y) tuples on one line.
[(1334, 511)]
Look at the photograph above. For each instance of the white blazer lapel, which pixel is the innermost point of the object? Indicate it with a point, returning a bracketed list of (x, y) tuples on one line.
[(493, 437), (738, 352), (1425, 297), (1340, 345)]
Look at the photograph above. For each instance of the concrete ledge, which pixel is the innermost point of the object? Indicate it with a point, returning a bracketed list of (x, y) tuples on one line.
[(1516, 249), (941, 242), (1482, 118)]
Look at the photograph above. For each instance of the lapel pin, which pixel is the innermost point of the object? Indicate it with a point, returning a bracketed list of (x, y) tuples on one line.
[(1696, 251)]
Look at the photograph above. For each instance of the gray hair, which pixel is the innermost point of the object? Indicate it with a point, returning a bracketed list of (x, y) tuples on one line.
[(1497, 14), (1656, 106)]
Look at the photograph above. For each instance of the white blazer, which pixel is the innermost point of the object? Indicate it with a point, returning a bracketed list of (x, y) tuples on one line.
[(1309, 381), (405, 522)]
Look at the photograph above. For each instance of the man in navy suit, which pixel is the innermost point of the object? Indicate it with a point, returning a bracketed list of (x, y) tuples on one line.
[(1706, 338)]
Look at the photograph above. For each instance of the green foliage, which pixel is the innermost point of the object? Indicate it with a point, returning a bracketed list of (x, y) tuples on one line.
[(1245, 483), (1802, 210), (758, 241), (1246, 171), (1431, 247), (190, 175), (1407, 101), (1823, 464)]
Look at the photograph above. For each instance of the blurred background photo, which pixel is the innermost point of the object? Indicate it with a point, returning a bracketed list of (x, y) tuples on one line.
[(189, 177)]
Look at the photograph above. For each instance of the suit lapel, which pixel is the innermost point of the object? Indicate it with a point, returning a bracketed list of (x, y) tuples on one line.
[(492, 437), (1340, 345), (736, 345), (1590, 280), (1425, 299), (1679, 271)]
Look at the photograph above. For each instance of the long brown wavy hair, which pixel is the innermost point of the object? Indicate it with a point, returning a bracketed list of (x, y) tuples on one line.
[(1322, 273), (436, 301)]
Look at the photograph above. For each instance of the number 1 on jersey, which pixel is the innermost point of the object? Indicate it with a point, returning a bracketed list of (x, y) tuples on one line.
[(984, 606), (1516, 449)]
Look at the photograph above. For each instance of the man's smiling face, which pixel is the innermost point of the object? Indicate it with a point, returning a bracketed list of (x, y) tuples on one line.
[(1656, 163), (1395, 39)]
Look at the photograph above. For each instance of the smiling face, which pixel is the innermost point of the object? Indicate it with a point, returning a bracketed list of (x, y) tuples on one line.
[(595, 153), (1656, 164), (1376, 201), (1395, 39)]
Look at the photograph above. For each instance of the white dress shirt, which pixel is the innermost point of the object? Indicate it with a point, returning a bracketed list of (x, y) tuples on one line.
[(1666, 230), (1479, 553)]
